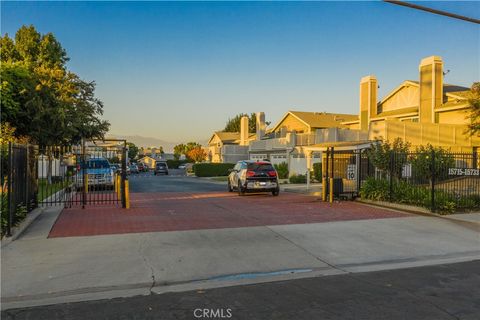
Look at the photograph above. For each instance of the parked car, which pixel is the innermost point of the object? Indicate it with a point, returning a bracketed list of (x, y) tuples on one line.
[(133, 168), (99, 173), (141, 167), (253, 176), (182, 166), (161, 167)]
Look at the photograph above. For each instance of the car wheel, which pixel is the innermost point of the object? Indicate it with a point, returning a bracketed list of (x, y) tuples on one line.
[(275, 192), (166, 173), (241, 190), (154, 173), (229, 188)]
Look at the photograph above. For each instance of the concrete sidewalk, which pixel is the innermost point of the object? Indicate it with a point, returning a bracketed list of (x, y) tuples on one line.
[(38, 271)]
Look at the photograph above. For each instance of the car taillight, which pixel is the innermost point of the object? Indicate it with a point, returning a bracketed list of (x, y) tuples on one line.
[(250, 173), (272, 173)]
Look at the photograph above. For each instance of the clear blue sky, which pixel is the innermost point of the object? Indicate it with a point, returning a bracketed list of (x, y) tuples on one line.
[(177, 71)]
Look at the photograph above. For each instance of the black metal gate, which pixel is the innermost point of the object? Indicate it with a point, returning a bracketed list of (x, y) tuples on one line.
[(437, 179), (90, 174)]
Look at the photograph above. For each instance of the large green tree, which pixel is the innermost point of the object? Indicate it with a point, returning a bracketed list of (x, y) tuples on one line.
[(41, 98), (233, 124), (132, 151), (474, 102)]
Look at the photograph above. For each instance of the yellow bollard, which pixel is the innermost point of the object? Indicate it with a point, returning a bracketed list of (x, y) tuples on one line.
[(324, 189), (119, 188), (86, 183), (331, 190), (127, 195)]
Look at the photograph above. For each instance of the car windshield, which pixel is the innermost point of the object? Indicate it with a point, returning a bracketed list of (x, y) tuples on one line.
[(161, 165), (260, 166), (98, 164)]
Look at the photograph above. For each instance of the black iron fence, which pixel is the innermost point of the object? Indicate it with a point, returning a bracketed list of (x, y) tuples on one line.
[(18, 184), (81, 175), (436, 179), (60, 175)]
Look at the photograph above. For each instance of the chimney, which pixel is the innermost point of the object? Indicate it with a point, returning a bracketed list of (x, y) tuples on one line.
[(368, 100), (260, 126), (431, 87), (244, 131)]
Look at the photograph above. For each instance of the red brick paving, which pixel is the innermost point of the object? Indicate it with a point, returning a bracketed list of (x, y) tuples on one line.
[(152, 212)]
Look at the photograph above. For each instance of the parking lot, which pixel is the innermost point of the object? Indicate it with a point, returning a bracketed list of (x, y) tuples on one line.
[(176, 202)]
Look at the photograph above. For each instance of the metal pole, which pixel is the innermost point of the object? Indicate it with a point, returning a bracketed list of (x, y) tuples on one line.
[(432, 173), (10, 189), (390, 182), (124, 175), (332, 175), (84, 174), (325, 177)]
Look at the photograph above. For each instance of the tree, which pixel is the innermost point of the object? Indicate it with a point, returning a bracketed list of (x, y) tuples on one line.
[(41, 99), (474, 102), (197, 154), (382, 154), (233, 124), (132, 150), (178, 150), (422, 163)]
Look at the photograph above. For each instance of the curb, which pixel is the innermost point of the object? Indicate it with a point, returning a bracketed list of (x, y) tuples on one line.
[(17, 231)]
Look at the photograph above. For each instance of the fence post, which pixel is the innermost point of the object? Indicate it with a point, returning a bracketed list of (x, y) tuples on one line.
[(124, 177), (432, 181), (84, 174), (325, 177), (27, 176), (10, 190), (390, 177), (332, 175)]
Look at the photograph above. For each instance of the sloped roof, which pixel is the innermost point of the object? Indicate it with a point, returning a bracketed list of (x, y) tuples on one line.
[(227, 136), (319, 119), (396, 112), (230, 137)]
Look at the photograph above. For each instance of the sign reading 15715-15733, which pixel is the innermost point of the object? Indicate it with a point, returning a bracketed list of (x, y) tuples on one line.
[(463, 172)]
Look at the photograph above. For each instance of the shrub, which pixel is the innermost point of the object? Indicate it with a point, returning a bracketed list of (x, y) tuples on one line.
[(212, 169), (407, 193), (317, 171), (173, 164), (282, 170), (300, 178)]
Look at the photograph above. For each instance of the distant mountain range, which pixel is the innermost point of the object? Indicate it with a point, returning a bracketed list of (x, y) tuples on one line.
[(141, 141)]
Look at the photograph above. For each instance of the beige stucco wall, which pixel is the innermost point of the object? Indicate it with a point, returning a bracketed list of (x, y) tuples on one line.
[(291, 123), (406, 97), (452, 117), (450, 136)]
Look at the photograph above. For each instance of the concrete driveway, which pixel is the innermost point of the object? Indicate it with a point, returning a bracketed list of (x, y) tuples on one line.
[(262, 246)]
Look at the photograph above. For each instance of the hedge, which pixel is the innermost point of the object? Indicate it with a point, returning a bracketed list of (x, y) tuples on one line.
[(300, 178), (282, 170), (212, 169), (407, 193), (317, 171), (173, 164)]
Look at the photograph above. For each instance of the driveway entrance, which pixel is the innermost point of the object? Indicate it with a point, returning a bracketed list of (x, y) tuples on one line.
[(196, 209)]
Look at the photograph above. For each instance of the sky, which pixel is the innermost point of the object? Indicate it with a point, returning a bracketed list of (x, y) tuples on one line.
[(176, 71)]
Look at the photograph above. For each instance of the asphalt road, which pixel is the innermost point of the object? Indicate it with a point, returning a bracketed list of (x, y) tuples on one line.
[(176, 181), (434, 292)]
